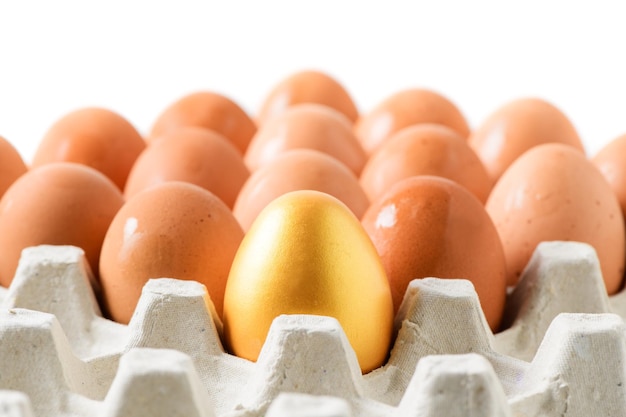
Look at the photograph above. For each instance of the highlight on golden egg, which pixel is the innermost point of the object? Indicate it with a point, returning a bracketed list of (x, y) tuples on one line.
[(306, 253)]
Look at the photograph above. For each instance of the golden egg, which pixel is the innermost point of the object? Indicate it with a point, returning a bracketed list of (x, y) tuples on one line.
[(306, 253)]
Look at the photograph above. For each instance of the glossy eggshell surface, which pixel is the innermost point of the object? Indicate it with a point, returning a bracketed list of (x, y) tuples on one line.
[(299, 169), (308, 86), (58, 204), (432, 227), (96, 137), (518, 126), (211, 111), (191, 154), (611, 161), (406, 108), (306, 253), (308, 126), (12, 165), (552, 192), (172, 230), (425, 149)]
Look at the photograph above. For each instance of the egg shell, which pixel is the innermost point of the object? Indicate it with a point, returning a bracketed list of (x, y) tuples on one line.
[(308, 86), (404, 108), (311, 126), (516, 127), (611, 162), (425, 149), (552, 192), (428, 226), (59, 203), (191, 154), (298, 169), (171, 230), (12, 165), (96, 137), (306, 253), (209, 110)]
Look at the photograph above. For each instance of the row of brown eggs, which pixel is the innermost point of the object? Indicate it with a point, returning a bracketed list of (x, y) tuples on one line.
[(433, 197)]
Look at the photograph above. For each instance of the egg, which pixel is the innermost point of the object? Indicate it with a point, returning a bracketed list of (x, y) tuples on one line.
[(96, 137), (404, 108), (59, 203), (610, 160), (425, 149), (552, 192), (308, 86), (309, 126), (298, 169), (171, 230), (209, 110), (191, 154), (12, 165), (428, 226), (518, 126), (307, 253)]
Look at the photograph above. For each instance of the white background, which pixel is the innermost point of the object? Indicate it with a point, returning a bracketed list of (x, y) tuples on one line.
[(138, 57)]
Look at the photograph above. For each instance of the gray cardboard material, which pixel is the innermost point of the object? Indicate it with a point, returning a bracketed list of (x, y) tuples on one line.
[(563, 354)]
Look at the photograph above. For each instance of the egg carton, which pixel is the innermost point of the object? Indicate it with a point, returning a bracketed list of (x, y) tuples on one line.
[(563, 353)]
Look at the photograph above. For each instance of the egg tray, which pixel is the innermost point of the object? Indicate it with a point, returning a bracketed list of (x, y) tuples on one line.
[(564, 351)]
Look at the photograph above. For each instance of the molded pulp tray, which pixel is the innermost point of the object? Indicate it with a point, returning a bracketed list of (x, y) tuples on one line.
[(563, 353)]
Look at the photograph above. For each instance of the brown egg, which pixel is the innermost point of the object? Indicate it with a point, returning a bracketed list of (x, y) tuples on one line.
[(425, 149), (172, 230), (518, 126), (298, 169), (307, 126), (405, 108), (611, 161), (95, 137), (432, 227), (307, 87), (60, 203), (12, 165), (191, 154), (552, 192), (211, 111)]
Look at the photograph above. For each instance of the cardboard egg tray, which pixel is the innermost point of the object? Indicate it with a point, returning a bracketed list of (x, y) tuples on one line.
[(563, 354)]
